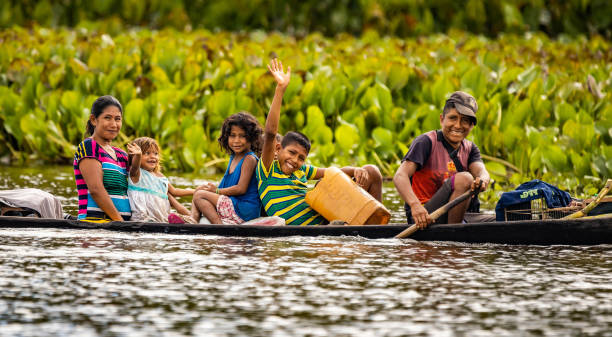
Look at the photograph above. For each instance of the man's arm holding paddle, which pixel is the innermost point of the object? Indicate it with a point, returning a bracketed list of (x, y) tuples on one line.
[(404, 187), (480, 174), (437, 213)]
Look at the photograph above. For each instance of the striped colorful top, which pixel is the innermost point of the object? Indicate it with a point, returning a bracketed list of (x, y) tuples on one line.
[(114, 179), (284, 196)]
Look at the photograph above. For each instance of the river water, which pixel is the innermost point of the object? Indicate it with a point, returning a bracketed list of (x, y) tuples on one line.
[(100, 283)]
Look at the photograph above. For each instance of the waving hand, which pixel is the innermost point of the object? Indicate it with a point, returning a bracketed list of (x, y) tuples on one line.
[(276, 69)]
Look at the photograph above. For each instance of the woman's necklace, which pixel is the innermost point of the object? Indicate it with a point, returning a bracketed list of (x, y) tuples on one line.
[(109, 149)]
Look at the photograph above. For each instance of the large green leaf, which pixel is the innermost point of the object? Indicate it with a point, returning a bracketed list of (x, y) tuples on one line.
[(295, 85), (496, 170), (383, 138), (222, 104), (71, 101), (563, 112), (124, 90), (475, 80), (384, 98), (526, 77), (316, 128), (441, 90), (134, 112), (555, 158), (347, 137), (398, 76)]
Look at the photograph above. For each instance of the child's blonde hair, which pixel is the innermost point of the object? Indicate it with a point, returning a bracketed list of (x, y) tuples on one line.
[(147, 144)]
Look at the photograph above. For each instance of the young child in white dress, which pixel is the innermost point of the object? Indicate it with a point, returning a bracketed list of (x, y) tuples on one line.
[(150, 193)]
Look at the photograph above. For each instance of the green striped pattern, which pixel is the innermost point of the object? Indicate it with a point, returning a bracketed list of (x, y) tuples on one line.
[(283, 195), (114, 181)]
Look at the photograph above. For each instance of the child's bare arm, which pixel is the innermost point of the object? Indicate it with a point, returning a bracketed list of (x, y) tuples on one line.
[(359, 173), (271, 128), (177, 205), (179, 192), (135, 152), (320, 173), (248, 169)]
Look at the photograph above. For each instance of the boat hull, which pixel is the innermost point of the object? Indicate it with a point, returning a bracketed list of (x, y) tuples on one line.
[(548, 232)]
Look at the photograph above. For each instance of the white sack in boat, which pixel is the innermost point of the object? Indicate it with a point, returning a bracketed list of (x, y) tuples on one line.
[(46, 204)]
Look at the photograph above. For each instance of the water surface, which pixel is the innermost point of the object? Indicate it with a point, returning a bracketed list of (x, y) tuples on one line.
[(100, 283)]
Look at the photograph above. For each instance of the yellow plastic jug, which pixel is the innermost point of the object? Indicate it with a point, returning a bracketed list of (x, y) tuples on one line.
[(337, 197)]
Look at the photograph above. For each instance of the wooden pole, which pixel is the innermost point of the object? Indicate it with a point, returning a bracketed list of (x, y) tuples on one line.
[(439, 212), (592, 205)]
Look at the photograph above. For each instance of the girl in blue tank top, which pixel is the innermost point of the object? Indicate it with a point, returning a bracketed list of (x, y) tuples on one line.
[(236, 199)]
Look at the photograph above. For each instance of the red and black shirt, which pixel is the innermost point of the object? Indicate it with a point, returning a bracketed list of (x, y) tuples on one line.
[(434, 164)]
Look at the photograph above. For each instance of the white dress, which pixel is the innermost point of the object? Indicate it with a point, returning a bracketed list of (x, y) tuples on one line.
[(149, 198)]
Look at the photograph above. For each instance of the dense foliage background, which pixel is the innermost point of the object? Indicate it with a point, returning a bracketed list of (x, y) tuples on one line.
[(330, 17), (545, 101)]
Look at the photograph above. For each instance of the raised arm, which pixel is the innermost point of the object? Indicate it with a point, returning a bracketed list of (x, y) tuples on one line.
[(271, 127), (91, 170), (135, 152)]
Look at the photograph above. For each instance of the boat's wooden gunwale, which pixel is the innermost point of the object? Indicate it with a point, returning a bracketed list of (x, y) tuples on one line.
[(547, 232)]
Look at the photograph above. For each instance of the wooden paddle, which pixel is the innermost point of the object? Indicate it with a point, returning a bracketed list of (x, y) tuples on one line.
[(592, 205), (600, 216), (439, 212)]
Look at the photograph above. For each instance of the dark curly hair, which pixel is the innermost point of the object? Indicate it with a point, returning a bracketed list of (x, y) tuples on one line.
[(251, 127)]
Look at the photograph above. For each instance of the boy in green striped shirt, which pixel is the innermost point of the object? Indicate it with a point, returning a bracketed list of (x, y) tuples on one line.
[(282, 182)]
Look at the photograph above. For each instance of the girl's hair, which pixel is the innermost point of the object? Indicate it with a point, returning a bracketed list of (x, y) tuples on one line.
[(251, 127), (98, 107), (148, 144)]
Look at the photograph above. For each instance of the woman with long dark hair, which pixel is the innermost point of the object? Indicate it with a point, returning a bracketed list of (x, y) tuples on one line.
[(100, 169)]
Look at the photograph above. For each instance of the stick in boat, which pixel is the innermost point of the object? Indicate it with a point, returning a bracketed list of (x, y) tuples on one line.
[(600, 216), (437, 213), (592, 205)]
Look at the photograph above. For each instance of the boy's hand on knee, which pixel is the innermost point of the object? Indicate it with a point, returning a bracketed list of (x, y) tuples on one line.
[(281, 78), (361, 176)]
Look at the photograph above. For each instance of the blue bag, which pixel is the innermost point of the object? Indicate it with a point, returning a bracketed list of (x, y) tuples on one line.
[(534, 189)]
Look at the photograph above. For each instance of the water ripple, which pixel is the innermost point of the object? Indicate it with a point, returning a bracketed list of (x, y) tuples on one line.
[(97, 283)]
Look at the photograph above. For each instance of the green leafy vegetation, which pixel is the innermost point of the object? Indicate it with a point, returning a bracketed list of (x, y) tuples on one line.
[(296, 17), (545, 104)]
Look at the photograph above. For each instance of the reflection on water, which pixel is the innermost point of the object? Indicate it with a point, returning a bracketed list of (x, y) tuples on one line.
[(100, 283)]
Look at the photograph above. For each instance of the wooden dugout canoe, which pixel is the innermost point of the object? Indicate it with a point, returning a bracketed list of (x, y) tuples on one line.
[(530, 232)]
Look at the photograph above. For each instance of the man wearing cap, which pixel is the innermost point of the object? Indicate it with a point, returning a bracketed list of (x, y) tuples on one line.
[(441, 165)]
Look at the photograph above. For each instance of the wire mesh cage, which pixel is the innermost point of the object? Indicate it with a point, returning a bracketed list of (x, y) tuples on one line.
[(536, 209)]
